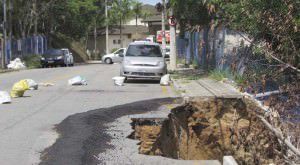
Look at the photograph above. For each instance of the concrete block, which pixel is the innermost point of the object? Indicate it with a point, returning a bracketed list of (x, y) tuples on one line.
[(229, 160)]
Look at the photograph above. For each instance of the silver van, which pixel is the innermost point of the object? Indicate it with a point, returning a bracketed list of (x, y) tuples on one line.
[(143, 60)]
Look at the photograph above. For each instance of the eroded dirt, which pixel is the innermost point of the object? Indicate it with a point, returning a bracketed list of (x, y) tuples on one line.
[(209, 128)]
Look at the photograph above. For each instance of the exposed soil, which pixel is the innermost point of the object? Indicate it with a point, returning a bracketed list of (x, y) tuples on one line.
[(83, 136), (209, 128)]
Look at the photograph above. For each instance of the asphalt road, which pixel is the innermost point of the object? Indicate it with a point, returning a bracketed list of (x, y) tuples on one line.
[(26, 125)]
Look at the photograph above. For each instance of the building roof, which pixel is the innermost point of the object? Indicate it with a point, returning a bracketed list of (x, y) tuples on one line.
[(126, 29), (144, 43), (153, 18)]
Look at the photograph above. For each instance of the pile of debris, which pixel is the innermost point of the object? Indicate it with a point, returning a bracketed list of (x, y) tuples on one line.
[(16, 64)]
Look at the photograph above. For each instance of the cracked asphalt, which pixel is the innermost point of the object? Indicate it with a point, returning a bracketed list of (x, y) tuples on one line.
[(27, 125)]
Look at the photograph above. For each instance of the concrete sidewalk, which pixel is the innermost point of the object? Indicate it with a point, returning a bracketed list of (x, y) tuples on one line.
[(205, 87)]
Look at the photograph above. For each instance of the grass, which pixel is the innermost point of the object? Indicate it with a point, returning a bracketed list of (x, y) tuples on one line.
[(219, 75), (240, 80), (32, 61), (188, 75)]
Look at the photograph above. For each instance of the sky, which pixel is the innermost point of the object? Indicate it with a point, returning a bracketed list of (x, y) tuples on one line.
[(151, 2)]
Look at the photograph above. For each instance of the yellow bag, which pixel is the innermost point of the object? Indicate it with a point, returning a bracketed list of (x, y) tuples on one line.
[(19, 89)]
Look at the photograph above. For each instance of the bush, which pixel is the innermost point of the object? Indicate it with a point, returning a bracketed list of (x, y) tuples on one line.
[(32, 61)]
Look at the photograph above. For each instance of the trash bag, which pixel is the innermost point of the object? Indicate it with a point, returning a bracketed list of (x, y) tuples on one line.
[(16, 64), (4, 97), (78, 80), (32, 84), (165, 80), (119, 81), (19, 89)]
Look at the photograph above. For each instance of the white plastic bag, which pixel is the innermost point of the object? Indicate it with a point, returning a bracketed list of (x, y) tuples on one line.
[(32, 84), (4, 97), (16, 64), (165, 80), (78, 80), (119, 81)]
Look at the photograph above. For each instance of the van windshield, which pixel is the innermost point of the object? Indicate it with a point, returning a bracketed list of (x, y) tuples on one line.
[(54, 52), (144, 51)]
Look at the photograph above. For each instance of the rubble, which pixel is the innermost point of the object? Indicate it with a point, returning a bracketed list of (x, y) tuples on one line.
[(46, 84)]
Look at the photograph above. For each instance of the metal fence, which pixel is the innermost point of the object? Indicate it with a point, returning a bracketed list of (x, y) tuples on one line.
[(24, 47), (222, 49)]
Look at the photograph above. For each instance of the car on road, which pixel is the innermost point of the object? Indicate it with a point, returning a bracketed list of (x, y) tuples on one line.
[(57, 57), (167, 55), (114, 57), (143, 60)]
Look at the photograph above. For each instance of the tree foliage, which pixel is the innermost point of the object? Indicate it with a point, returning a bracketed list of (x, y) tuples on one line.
[(71, 17), (274, 59), (275, 23)]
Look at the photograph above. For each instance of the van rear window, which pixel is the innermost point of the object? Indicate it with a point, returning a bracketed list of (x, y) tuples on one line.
[(144, 51)]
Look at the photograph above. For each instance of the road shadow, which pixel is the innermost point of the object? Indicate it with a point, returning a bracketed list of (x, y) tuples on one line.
[(141, 81), (84, 135)]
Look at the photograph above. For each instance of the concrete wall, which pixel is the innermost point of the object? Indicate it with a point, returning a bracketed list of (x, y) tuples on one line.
[(113, 42)]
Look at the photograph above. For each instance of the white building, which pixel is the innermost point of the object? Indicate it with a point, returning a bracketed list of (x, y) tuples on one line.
[(130, 33)]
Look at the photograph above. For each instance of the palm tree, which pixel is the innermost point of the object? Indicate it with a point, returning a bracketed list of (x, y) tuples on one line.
[(122, 10), (137, 10)]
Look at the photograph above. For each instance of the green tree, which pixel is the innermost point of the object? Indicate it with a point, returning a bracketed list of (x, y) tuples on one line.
[(272, 23), (137, 10), (121, 10)]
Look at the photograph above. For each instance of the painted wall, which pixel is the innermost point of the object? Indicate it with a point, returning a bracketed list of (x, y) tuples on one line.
[(133, 22), (113, 42)]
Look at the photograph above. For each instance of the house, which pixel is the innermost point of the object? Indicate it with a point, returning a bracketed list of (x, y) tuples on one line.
[(146, 28), (154, 24), (130, 33)]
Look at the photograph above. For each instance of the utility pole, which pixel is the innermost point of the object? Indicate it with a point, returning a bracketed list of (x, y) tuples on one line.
[(95, 37), (4, 35), (35, 17), (9, 28), (163, 28), (106, 33), (35, 27), (173, 52)]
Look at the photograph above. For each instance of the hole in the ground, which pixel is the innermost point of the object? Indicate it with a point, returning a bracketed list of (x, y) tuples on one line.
[(208, 129)]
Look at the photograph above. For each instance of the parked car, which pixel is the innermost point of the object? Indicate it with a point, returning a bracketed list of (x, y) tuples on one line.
[(143, 60), (114, 57), (69, 58), (167, 55), (55, 57)]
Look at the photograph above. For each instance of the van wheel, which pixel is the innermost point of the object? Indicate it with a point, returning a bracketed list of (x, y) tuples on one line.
[(108, 61)]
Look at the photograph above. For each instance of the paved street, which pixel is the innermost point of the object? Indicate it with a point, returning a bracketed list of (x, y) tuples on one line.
[(26, 125)]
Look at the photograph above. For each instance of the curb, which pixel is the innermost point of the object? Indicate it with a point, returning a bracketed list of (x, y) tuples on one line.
[(9, 70), (178, 87)]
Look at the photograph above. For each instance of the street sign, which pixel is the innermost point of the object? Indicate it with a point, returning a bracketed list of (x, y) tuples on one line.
[(172, 21)]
